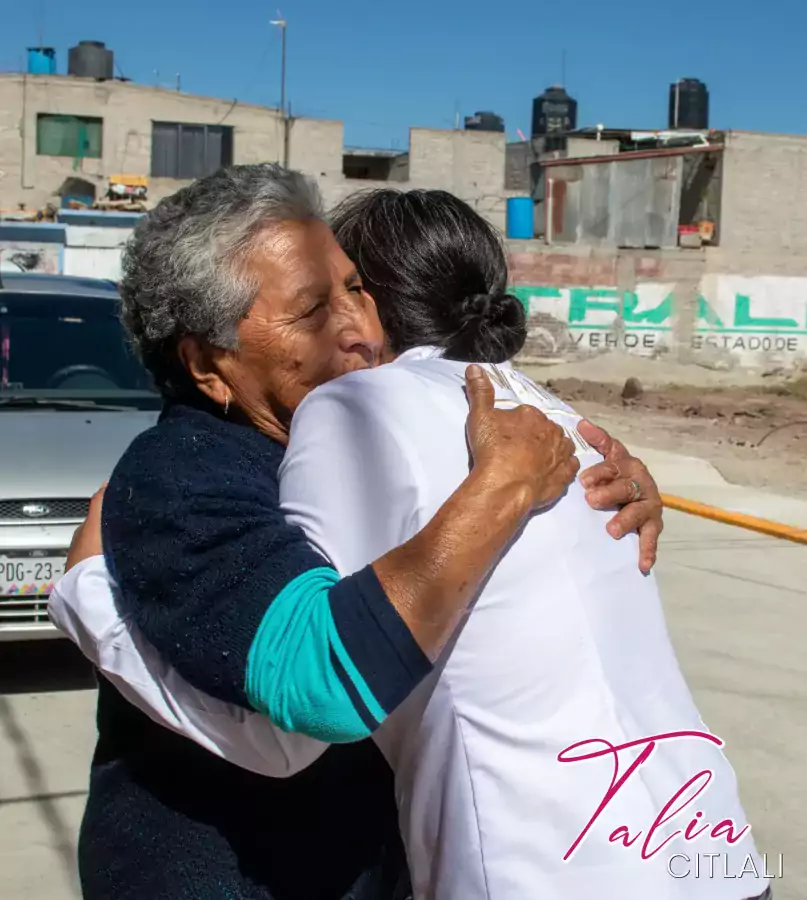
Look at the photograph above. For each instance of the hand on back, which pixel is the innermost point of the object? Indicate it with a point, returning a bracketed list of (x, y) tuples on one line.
[(522, 447), (519, 446)]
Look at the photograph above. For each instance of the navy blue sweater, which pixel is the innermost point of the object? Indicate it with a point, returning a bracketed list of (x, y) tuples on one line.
[(196, 540), (235, 598), (166, 820)]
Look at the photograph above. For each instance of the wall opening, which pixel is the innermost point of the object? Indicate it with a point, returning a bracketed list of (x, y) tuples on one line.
[(375, 165)]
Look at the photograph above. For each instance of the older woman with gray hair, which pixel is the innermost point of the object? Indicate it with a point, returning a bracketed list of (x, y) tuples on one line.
[(240, 302)]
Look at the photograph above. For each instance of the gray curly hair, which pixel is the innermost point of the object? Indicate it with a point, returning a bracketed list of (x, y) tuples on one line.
[(185, 267)]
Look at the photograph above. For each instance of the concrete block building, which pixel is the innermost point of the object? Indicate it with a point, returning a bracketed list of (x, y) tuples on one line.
[(57, 130), (741, 299)]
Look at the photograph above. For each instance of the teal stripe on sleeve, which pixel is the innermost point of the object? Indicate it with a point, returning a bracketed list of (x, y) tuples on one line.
[(293, 668)]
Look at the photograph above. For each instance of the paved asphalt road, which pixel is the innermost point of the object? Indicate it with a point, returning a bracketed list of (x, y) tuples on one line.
[(737, 609)]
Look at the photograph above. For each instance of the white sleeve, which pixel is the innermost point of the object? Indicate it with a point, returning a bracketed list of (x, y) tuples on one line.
[(83, 607), (349, 477)]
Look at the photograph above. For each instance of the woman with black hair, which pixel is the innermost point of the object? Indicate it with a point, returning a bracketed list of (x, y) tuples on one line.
[(437, 272), (565, 643)]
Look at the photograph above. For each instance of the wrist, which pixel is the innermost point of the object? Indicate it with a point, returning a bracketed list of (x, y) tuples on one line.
[(507, 498)]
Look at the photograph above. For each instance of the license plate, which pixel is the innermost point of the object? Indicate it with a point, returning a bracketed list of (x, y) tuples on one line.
[(31, 574)]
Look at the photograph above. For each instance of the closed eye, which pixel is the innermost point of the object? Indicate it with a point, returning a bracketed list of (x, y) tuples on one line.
[(314, 309), (353, 283)]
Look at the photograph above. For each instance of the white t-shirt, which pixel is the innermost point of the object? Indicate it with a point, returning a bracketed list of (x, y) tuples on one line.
[(565, 644)]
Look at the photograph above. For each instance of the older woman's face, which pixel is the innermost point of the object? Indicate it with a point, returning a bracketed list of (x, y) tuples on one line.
[(310, 323)]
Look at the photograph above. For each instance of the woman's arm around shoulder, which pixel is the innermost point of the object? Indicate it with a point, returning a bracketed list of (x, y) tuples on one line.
[(83, 608)]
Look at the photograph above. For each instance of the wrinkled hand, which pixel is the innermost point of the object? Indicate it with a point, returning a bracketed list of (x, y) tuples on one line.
[(518, 446), (611, 483), (87, 538)]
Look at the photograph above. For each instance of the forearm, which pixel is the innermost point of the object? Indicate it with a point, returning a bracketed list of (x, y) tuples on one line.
[(333, 657), (82, 606), (431, 579)]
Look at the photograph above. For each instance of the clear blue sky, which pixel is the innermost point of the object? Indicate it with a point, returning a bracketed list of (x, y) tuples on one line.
[(382, 68)]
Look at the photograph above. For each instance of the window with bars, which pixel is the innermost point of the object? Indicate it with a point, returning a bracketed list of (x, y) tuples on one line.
[(74, 136), (179, 150)]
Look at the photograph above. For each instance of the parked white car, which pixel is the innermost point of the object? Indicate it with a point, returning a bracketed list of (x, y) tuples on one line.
[(72, 398)]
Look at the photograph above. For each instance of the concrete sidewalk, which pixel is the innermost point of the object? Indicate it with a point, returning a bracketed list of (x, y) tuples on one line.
[(46, 744), (736, 604), (697, 479)]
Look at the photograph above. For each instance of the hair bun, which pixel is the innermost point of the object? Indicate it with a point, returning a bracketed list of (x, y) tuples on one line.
[(476, 306), (491, 309), (493, 329)]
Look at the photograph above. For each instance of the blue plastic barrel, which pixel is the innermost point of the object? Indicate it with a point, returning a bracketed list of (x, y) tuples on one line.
[(520, 218), (41, 61)]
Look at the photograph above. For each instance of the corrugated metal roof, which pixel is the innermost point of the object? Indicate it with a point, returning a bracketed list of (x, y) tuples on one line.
[(632, 154)]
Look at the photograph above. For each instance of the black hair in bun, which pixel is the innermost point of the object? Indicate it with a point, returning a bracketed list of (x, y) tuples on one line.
[(493, 329), (437, 272)]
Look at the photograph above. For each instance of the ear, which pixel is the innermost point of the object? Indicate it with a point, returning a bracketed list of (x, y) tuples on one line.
[(203, 364)]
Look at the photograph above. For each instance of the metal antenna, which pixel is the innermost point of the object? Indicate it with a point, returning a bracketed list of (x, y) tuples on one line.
[(40, 23), (282, 24)]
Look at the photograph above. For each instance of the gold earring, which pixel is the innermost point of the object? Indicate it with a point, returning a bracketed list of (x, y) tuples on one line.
[(227, 404)]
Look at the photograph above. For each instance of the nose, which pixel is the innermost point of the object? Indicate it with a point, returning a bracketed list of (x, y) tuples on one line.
[(368, 350), (360, 331)]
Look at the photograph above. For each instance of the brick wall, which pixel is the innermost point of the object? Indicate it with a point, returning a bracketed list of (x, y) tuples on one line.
[(560, 269), (315, 147), (764, 204), (712, 307), (128, 111), (469, 164)]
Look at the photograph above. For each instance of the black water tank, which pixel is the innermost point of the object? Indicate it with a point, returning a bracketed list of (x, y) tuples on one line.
[(689, 105), (484, 121), (90, 59), (554, 112)]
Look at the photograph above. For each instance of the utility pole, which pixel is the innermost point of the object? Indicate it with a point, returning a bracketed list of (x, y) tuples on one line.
[(281, 24)]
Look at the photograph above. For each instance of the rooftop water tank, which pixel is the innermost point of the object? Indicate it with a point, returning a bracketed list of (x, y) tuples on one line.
[(484, 121), (90, 59), (689, 105), (554, 112), (41, 61)]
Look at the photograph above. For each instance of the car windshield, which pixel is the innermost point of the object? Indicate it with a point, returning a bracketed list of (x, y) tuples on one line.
[(68, 350)]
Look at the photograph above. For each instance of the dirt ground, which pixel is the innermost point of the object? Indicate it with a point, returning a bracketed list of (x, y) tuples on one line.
[(754, 432)]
